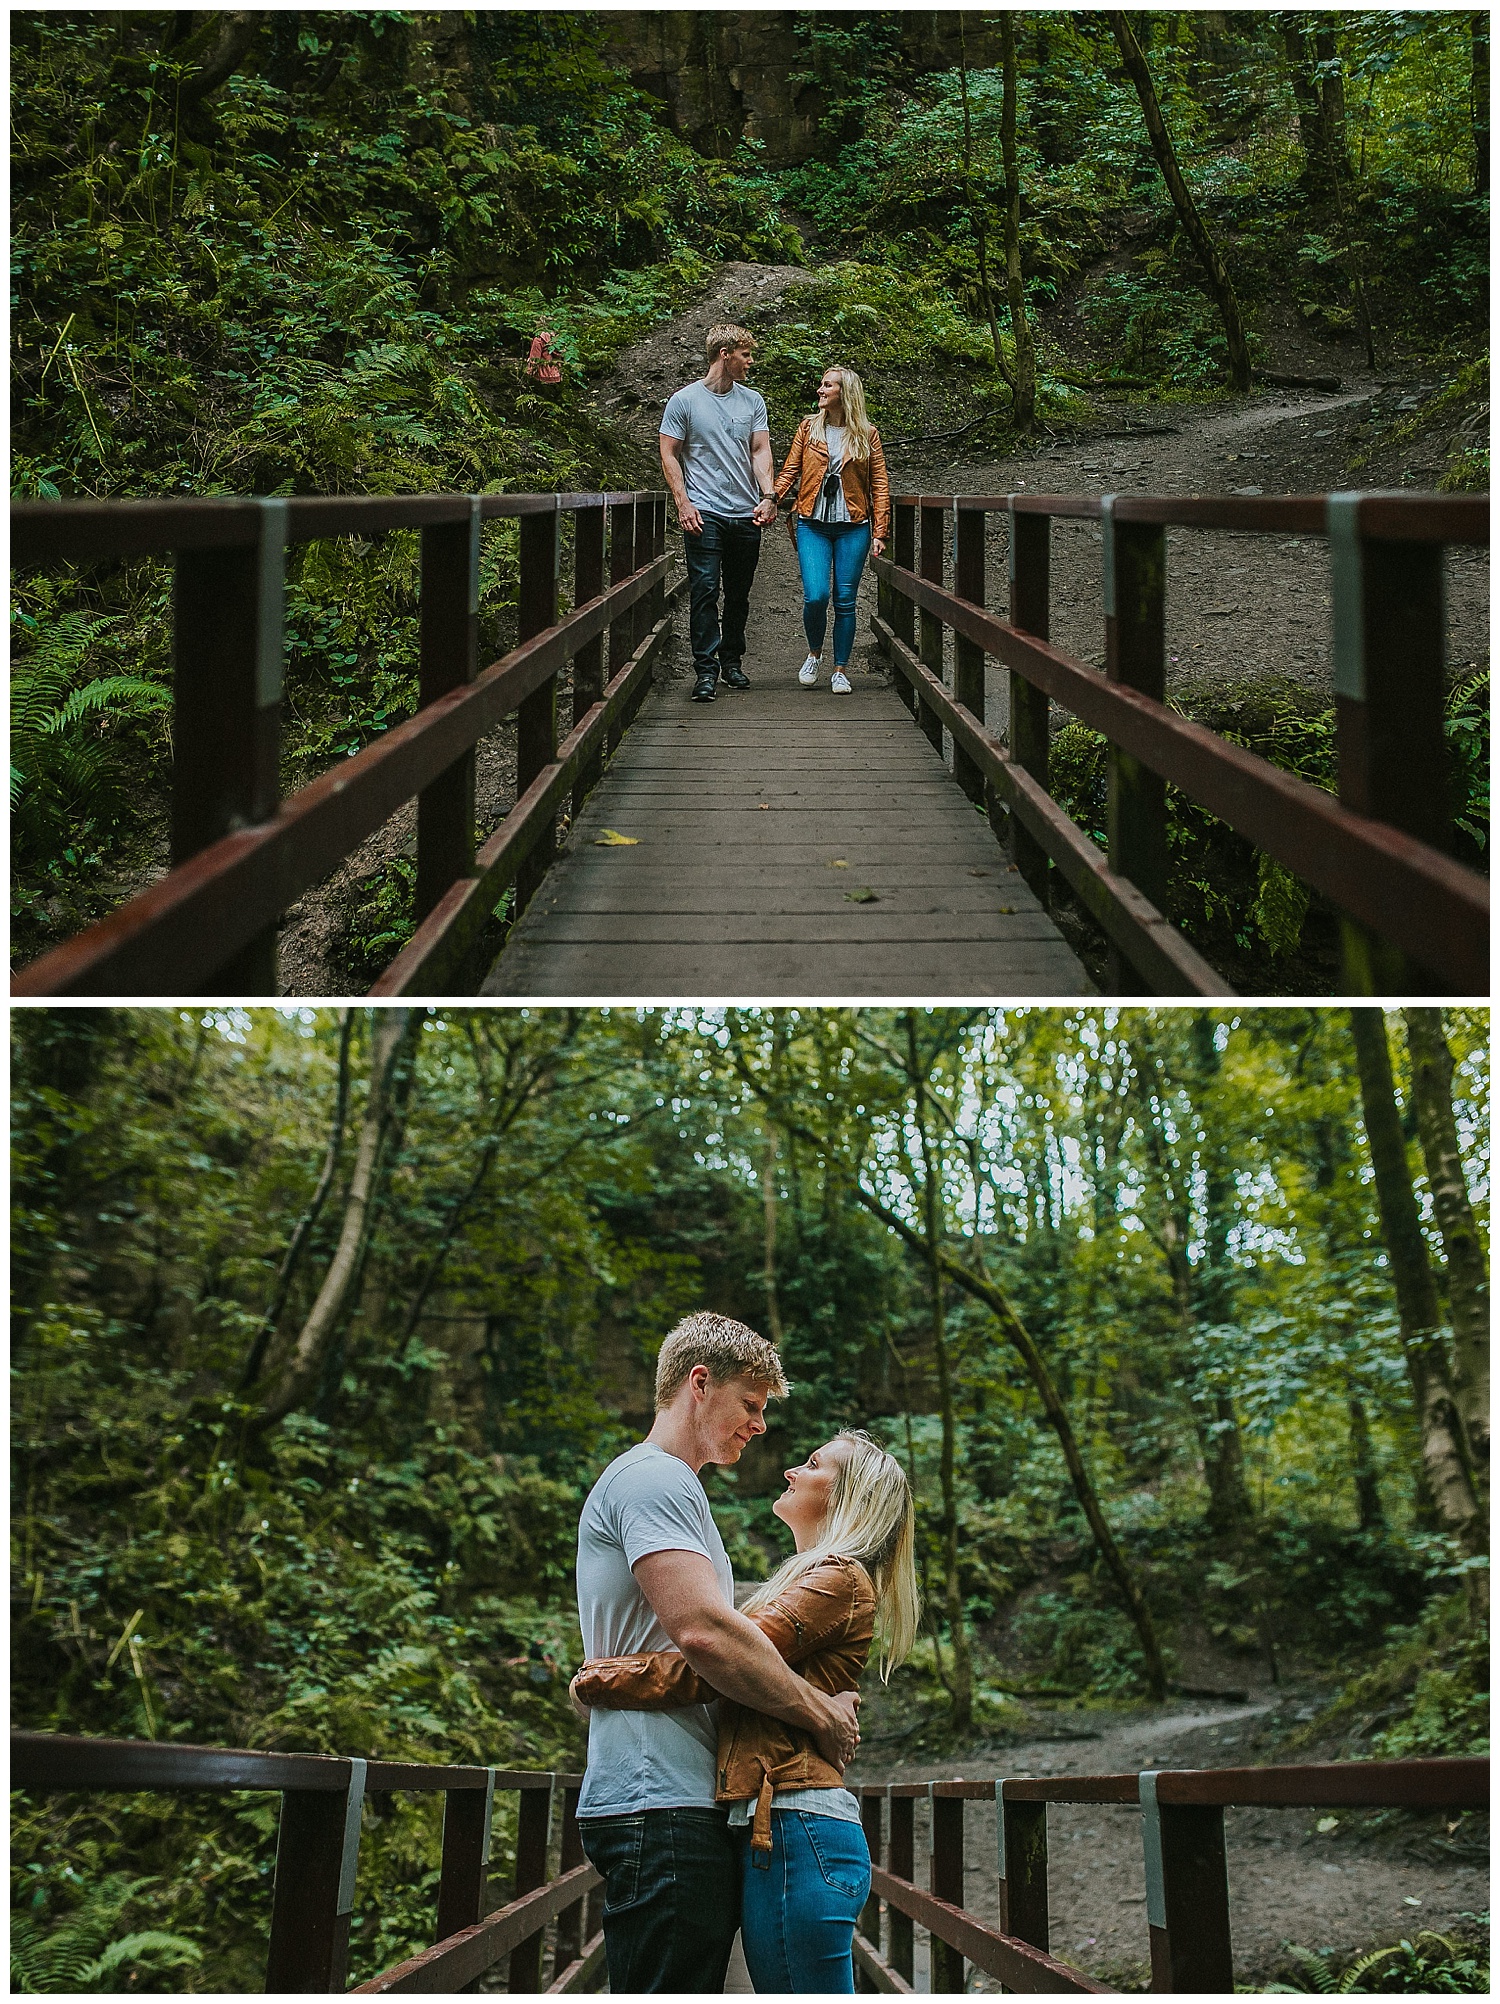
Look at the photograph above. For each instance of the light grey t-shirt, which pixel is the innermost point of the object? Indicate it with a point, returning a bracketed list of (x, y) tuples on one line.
[(645, 1501), (716, 463)]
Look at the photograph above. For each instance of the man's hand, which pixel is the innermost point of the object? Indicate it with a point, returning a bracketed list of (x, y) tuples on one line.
[(765, 513), (838, 1739), (671, 466)]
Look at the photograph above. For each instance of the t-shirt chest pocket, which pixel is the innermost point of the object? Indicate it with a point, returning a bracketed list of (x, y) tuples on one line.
[(739, 429)]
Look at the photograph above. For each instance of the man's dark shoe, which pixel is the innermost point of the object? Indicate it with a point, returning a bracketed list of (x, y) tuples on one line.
[(736, 677), (704, 688)]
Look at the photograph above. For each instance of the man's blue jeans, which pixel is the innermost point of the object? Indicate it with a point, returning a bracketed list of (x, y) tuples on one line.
[(724, 555), (798, 1918), (832, 556), (671, 1897)]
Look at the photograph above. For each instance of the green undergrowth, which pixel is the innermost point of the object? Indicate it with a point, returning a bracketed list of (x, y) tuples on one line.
[(1422, 1964), (300, 1596), (1425, 1695), (1255, 920)]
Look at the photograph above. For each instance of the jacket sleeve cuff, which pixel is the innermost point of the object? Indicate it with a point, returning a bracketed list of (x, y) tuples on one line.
[(657, 1683)]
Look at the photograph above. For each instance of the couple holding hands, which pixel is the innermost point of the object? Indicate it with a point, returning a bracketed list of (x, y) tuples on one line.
[(716, 455), (713, 1800)]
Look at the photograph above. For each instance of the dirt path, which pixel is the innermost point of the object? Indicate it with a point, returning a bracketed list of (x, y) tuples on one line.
[(1287, 1881), (1238, 606)]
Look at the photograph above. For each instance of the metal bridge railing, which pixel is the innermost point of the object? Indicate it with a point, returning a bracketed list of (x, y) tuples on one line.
[(1415, 920), (240, 854)]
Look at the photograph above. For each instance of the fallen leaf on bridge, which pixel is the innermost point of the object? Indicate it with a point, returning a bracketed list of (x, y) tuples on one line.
[(610, 840), (863, 896)]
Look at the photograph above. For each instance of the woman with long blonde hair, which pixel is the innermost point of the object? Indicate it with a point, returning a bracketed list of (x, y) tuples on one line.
[(841, 511), (850, 1583)]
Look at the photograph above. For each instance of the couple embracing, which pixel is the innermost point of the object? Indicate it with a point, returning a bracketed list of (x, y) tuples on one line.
[(714, 1798), (716, 455)]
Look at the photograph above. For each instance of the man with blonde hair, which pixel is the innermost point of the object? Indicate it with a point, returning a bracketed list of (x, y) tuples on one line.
[(653, 1574), (715, 445)]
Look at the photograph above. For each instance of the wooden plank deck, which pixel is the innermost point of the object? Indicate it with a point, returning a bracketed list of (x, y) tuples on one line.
[(759, 820)]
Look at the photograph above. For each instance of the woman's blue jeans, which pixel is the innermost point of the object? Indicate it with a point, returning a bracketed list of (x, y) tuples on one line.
[(832, 556), (797, 1919)]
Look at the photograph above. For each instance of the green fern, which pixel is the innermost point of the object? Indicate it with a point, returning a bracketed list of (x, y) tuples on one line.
[(77, 1953), (120, 695)]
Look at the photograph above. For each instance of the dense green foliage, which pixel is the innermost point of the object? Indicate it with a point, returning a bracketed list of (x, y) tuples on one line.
[(316, 268), (387, 1568), (1253, 919)]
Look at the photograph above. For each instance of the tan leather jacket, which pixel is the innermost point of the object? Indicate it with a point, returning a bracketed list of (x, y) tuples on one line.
[(822, 1625), (867, 489)]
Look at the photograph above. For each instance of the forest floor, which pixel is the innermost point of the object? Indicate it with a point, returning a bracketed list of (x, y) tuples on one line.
[(1240, 608), (1359, 1884)]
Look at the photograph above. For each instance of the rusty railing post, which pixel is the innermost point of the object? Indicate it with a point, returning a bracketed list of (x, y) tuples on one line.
[(317, 1851), (946, 1882), (227, 644), (449, 659), (570, 1920), (1187, 1895), (934, 521), (1029, 563), (968, 659), (872, 1815), (588, 662), (534, 1828), (903, 610), (623, 522), (465, 1873), (1135, 581), (902, 1866), (536, 715), (1022, 1836), (1388, 658)]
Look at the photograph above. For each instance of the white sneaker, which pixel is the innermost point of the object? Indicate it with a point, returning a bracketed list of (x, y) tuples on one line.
[(840, 685), (807, 674)]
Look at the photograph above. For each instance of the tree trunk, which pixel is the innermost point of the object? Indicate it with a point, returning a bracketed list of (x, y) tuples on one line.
[(1201, 1298), (1215, 270), (961, 1684), (976, 215), (1023, 355), (1444, 1460), (1331, 102), (1468, 1279), (286, 1272), (1479, 99), (1362, 1460), (1314, 175), (301, 1376), (768, 1210)]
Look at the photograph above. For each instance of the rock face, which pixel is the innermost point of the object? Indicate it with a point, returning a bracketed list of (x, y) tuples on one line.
[(722, 78)]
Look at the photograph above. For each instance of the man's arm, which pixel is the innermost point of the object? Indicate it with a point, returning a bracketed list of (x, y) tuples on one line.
[(736, 1658), (671, 466), (764, 468)]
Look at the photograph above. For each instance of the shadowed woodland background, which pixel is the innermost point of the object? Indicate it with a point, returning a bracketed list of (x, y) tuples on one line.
[(326, 1321)]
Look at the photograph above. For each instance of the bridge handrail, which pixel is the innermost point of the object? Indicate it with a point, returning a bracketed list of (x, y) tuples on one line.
[(317, 1854), (240, 854), (1416, 919), (1187, 1894)]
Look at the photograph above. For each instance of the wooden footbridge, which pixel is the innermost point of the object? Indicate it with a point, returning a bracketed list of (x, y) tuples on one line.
[(776, 846), (550, 1925)]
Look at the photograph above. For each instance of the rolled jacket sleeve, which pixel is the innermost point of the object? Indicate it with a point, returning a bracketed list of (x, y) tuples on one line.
[(880, 489)]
